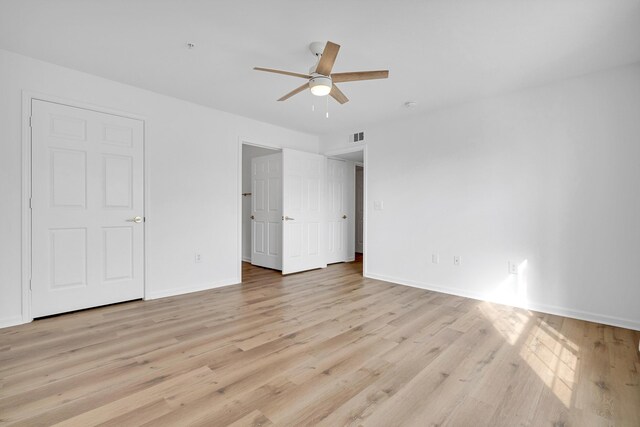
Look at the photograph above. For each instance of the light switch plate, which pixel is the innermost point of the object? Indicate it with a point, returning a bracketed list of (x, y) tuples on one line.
[(457, 260), (378, 205)]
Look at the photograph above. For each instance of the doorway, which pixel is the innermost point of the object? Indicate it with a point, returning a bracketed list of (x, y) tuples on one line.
[(284, 222), (356, 201), (249, 153)]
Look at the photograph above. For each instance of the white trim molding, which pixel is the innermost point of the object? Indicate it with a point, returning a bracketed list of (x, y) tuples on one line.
[(11, 321), (196, 288)]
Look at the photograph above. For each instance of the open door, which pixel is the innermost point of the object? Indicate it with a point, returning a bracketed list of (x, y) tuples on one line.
[(266, 211), (359, 210), (302, 219), (340, 211)]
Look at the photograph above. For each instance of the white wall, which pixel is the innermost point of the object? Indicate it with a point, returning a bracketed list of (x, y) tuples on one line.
[(248, 153), (548, 178), (193, 161)]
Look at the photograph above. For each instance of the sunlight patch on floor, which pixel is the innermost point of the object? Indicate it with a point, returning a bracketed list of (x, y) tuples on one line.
[(553, 358), (509, 322), (550, 354)]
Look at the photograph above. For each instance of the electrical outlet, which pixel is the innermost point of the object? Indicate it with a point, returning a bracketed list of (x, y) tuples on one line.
[(435, 258), (198, 258), (457, 260), (513, 267)]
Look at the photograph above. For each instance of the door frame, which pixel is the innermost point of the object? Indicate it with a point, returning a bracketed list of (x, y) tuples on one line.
[(243, 140), (361, 147), (26, 220)]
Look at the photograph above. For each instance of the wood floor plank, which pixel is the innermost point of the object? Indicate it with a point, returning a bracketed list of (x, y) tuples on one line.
[(254, 419), (326, 347)]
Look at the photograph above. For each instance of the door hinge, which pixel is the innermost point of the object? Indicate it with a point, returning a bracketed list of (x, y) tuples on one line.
[(30, 285), (30, 121), (30, 203)]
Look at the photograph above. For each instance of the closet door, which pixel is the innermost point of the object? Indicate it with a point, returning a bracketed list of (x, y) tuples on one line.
[(87, 208)]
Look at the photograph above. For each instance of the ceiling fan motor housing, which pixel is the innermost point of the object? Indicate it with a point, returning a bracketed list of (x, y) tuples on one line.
[(316, 48), (320, 85)]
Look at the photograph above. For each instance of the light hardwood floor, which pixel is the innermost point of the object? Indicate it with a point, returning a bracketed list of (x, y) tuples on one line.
[(325, 347)]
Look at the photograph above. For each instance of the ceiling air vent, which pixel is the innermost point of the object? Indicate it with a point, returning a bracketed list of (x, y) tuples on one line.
[(357, 137)]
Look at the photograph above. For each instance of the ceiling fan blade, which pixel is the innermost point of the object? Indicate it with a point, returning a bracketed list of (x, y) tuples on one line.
[(359, 75), (338, 95), (327, 59), (293, 92), (286, 73)]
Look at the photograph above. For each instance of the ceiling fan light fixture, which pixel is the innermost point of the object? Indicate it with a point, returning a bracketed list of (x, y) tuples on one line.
[(320, 85), (320, 79)]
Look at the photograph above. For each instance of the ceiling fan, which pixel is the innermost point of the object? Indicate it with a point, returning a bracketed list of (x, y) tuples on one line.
[(320, 80)]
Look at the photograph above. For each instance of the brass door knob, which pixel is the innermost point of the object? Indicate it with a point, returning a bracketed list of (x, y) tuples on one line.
[(136, 219), (344, 217)]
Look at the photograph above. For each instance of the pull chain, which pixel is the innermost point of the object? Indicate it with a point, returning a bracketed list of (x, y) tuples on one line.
[(327, 97)]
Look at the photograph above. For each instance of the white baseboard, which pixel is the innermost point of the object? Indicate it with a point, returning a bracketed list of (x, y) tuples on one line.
[(187, 290), (586, 315), (18, 320), (246, 259), (543, 308), (11, 321)]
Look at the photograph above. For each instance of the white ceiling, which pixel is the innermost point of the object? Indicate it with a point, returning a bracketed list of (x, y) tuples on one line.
[(438, 52)]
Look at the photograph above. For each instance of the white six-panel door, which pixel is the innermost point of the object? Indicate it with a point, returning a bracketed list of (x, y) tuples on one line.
[(359, 209), (350, 185), (303, 214), (87, 188), (266, 211), (337, 220)]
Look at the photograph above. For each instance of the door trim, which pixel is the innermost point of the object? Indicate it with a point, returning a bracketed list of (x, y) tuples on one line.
[(243, 140), (365, 165), (27, 98)]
